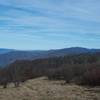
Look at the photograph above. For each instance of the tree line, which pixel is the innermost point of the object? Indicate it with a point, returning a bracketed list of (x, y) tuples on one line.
[(83, 69)]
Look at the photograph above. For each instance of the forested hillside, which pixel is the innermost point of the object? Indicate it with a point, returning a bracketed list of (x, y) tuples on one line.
[(81, 69), (8, 56)]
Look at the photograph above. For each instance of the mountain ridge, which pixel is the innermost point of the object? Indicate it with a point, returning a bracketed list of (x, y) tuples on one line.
[(10, 55)]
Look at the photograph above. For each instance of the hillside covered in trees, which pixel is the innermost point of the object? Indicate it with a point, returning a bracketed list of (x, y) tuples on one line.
[(8, 56), (83, 69)]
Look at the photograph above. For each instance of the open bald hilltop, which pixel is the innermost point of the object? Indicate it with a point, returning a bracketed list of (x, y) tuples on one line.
[(43, 89), (49, 49)]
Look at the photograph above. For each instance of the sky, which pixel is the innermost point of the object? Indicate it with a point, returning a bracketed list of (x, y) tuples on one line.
[(49, 24)]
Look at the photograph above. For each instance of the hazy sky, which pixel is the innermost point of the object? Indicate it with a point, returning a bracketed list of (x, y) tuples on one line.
[(49, 24)]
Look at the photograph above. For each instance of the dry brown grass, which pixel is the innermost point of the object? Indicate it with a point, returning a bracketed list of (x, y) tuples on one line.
[(42, 89)]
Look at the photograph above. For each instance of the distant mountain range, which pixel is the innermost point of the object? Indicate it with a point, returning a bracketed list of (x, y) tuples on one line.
[(8, 56), (3, 51)]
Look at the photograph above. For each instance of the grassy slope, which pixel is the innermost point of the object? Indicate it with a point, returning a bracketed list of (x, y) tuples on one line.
[(42, 89)]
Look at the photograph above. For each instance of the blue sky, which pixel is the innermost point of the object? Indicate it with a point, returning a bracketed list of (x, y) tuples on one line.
[(49, 24)]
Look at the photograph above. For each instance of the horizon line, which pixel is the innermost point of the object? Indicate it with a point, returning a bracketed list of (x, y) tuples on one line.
[(47, 49)]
